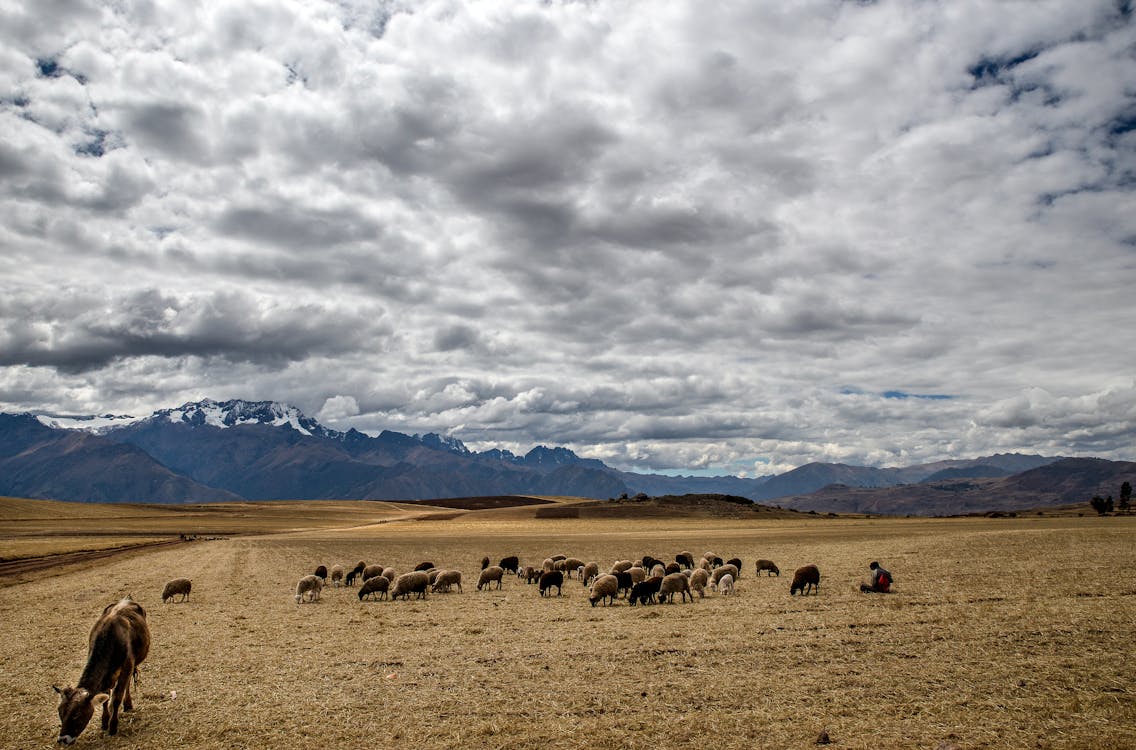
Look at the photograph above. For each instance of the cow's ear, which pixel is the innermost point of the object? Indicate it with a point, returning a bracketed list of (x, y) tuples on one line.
[(99, 698)]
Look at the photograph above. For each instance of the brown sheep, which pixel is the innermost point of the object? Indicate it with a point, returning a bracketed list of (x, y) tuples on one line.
[(806, 577), (175, 587), (490, 575), (768, 566), (376, 587), (675, 583)]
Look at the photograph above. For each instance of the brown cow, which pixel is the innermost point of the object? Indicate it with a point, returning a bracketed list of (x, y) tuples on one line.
[(119, 642)]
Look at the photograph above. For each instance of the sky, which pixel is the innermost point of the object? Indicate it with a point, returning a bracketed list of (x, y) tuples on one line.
[(687, 237)]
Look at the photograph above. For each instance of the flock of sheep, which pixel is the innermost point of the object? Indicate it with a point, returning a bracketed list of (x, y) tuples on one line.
[(647, 580)]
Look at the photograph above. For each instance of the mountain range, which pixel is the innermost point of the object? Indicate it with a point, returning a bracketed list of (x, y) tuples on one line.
[(211, 451)]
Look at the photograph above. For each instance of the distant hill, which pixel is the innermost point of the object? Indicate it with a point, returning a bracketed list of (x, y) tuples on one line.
[(1062, 482), (263, 450)]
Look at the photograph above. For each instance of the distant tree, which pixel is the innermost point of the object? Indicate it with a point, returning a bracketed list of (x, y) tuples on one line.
[(1125, 497), (1100, 505)]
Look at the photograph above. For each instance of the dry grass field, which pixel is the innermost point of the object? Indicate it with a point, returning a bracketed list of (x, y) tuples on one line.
[(1003, 633)]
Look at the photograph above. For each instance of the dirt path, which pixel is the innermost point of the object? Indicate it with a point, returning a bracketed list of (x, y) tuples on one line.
[(17, 571)]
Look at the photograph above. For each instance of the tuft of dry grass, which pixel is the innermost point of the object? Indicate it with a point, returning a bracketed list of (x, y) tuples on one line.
[(1004, 633)]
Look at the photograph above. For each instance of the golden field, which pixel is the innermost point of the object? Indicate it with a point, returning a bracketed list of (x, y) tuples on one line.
[(1003, 633)]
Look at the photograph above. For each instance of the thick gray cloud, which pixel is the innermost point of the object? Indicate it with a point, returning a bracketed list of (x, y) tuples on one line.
[(719, 238)]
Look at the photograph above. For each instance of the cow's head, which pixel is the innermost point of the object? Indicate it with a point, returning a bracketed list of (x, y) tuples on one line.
[(76, 707)]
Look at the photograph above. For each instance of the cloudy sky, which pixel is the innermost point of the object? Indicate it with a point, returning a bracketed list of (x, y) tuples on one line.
[(728, 237)]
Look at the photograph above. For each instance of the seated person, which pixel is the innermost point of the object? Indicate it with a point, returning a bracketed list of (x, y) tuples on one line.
[(880, 581)]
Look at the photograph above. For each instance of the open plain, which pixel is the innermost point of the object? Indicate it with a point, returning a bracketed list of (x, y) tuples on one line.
[(1003, 633)]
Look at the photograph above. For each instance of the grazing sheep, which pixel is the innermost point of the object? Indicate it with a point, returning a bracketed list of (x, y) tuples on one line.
[(768, 566), (175, 587), (349, 580), (605, 588), (531, 574), (406, 584), (571, 565), (698, 580), (672, 568), (806, 577), (645, 591), (704, 564), (550, 579), (624, 581), (648, 562), (726, 585), (548, 565), (321, 571), (724, 570), (424, 566), (390, 574), (490, 575), (675, 583), (447, 579), (371, 571), (375, 587), (658, 570), (485, 562), (310, 585), (336, 575), (591, 573), (356, 572), (432, 574), (637, 574), (621, 565), (737, 563), (684, 558), (510, 563)]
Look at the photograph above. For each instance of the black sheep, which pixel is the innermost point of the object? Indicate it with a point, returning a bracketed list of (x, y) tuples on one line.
[(645, 592), (737, 563), (625, 581), (424, 566), (510, 563), (550, 579), (321, 571)]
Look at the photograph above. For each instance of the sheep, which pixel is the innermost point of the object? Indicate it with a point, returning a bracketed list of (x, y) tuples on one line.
[(406, 584), (768, 566), (719, 572), (737, 563), (446, 579), (390, 574), (547, 565), (375, 587), (806, 577), (550, 579), (605, 588), (672, 568), (624, 581), (658, 570), (684, 558), (432, 575), (491, 574), (423, 566), (356, 572), (310, 585), (648, 562), (175, 587), (726, 585), (349, 579), (510, 563), (371, 571), (698, 580), (637, 574), (531, 574), (485, 562), (321, 571), (572, 564), (704, 564), (675, 583), (621, 565), (336, 575), (591, 573), (645, 591)]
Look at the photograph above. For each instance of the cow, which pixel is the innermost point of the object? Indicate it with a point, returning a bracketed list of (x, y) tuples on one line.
[(119, 642)]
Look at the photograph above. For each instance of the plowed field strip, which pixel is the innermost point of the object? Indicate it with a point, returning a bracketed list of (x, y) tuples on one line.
[(13, 571)]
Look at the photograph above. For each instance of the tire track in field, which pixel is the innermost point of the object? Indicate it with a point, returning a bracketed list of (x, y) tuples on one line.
[(14, 571)]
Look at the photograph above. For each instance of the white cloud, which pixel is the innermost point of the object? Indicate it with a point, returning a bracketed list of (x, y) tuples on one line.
[(676, 236)]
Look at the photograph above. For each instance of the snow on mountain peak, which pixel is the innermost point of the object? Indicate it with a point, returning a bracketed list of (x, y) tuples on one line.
[(236, 412)]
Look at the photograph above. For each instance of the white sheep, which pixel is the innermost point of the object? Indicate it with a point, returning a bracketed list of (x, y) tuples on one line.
[(658, 570), (310, 585), (720, 571), (726, 585), (491, 574), (446, 579), (176, 586), (604, 588)]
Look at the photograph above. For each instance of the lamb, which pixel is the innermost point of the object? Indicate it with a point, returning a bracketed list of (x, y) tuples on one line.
[(719, 572), (698, 580), (447, 579), (370, 571), (175, 587), (550, 579), (806, 577), (321, 571), (309, 585), (376, 587), (336, 575), (510, 563), (737, 563), (356, 572), (645, 591), (591, 572), (406, 584), (768, 566), (675, 583), (726, 585), (491, 574), (605, 588)]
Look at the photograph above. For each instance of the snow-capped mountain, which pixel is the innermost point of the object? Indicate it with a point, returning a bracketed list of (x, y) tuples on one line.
[(236, 412)]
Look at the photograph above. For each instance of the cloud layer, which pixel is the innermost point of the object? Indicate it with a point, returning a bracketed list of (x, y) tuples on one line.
[(725, 238)]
